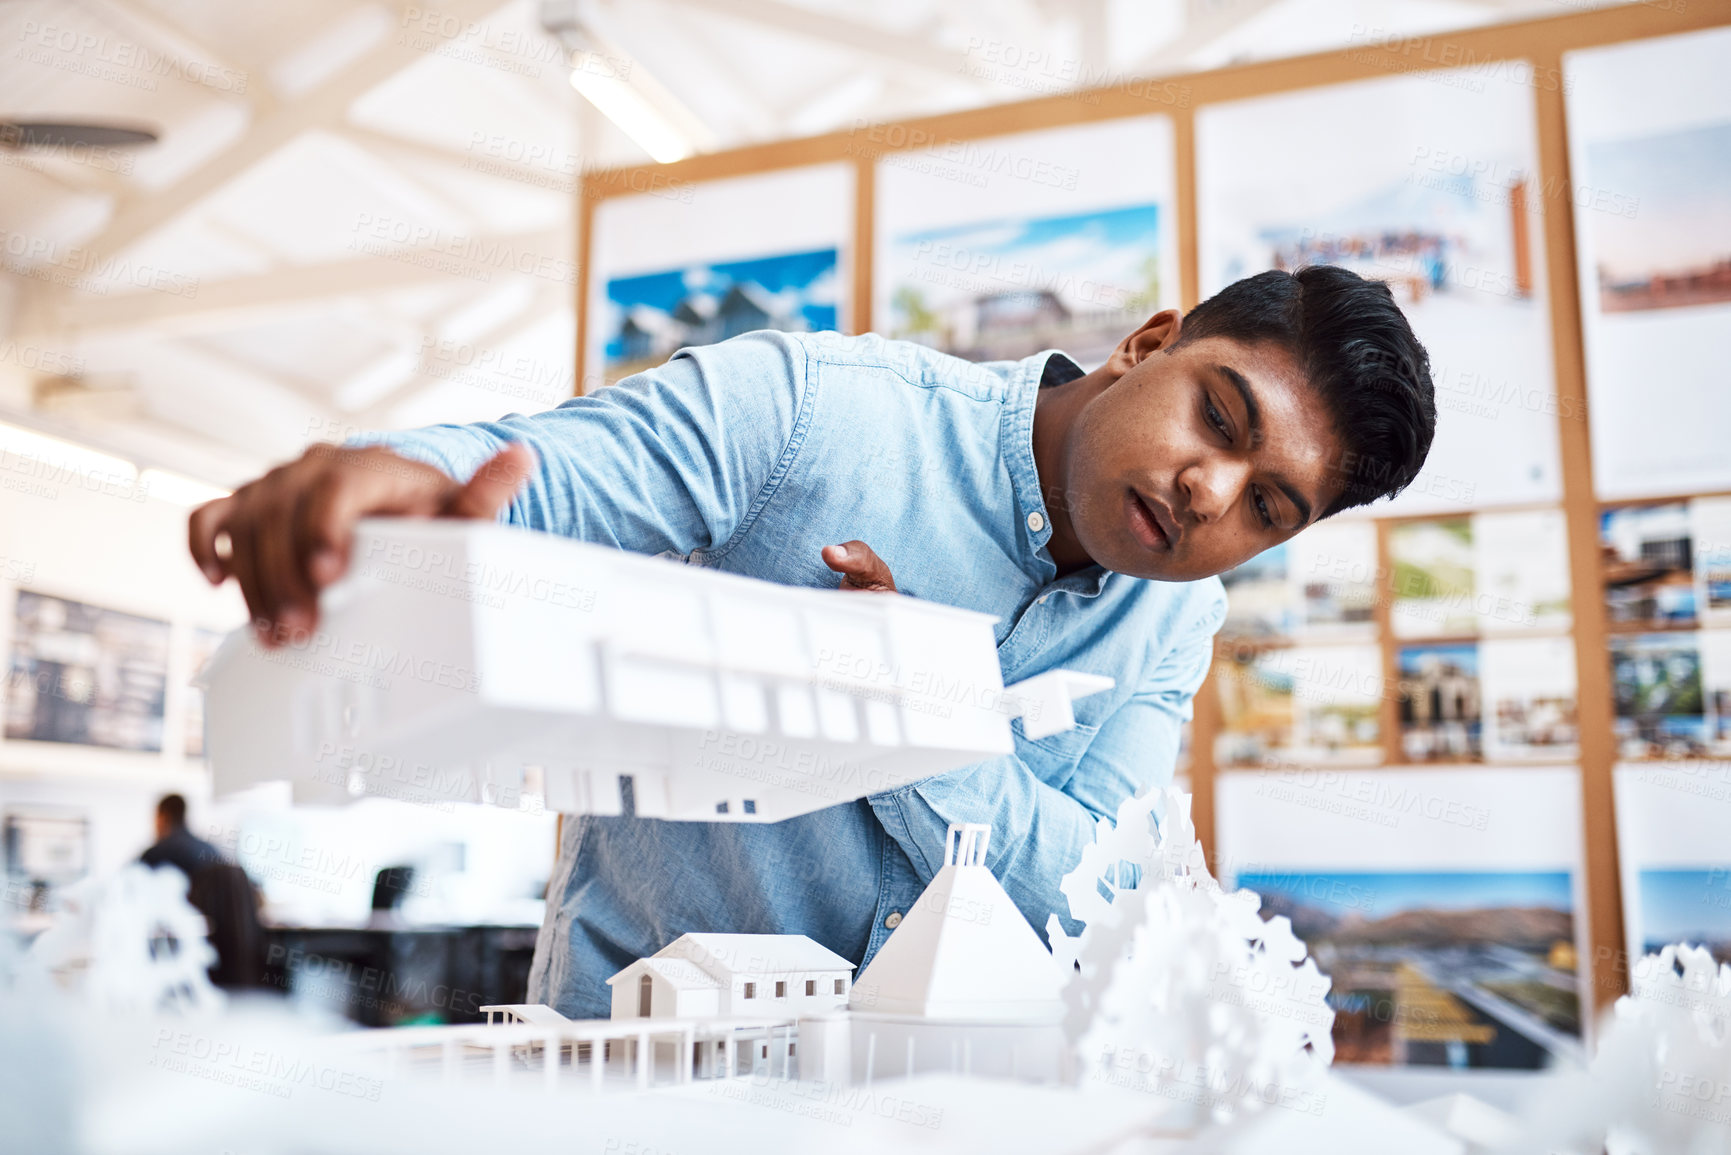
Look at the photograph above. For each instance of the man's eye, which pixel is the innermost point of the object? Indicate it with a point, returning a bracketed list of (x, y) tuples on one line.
[(1214, 417), (1262, 510)]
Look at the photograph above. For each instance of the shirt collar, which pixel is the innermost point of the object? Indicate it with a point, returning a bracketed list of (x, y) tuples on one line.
[(1034, 522)]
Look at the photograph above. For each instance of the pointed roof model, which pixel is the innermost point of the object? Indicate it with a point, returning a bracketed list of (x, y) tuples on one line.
[(964, 952)]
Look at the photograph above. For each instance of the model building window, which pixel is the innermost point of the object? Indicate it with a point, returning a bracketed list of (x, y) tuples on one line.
[(645, 994), (781, 990), (810, 987), (751, 990), (838, 987)]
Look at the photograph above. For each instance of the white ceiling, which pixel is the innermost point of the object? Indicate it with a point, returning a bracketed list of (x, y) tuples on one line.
[(331, 232)]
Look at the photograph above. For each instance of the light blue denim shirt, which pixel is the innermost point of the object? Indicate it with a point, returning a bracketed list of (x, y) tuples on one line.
[(751, 456)]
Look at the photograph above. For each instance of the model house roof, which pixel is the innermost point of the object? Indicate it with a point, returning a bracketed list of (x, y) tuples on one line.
[(677, 971), (963, 951), (725, 955)]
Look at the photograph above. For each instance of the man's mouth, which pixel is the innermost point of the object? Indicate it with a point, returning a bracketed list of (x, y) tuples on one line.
[(1146, 523)]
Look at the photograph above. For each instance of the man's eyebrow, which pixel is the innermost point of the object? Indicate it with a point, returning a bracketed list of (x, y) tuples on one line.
[(1252, 410), (1253, 419)]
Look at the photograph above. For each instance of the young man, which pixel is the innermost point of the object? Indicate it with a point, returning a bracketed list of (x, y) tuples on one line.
[(1089, 512)]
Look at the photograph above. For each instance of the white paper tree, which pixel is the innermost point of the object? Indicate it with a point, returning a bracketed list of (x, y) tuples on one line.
[(143, 946), (1660, 1083), (1178, 988)]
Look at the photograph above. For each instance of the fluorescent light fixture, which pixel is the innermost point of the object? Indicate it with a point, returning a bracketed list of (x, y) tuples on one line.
[(598, 79), (56, 456), (180, 490)]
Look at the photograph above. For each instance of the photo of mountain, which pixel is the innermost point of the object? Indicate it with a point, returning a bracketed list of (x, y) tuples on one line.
[(1454, 969), (650, 316), (1687, 905), (1004, 289)]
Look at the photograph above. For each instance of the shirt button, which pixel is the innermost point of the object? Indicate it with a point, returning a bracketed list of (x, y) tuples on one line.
[(1036, 522), (893, 919)]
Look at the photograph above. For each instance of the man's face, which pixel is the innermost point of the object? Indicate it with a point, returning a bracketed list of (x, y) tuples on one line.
[(1198, 457)]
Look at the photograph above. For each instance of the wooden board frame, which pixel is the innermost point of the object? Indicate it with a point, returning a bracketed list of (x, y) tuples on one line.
[(1542, 44)]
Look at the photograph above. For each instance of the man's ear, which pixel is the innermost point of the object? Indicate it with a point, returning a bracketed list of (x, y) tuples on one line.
[(1156, 333)]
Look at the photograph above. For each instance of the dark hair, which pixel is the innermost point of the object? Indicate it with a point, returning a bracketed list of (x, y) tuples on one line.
[(172, 809), (1356, 349)]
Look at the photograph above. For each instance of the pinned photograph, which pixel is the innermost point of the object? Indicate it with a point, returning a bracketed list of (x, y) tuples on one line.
[(1529, 688), (1433, 578), (1647, 553), (1649, 127), (1260, 600), (1441, 709), (1660, 706), (1003, 290), (653, 315), (1457, 969), (1442, 902), (86, 675), (1434, 193)]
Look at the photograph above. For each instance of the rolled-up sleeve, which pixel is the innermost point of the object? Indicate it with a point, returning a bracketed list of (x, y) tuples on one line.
[(1038, 830), (676, 459)]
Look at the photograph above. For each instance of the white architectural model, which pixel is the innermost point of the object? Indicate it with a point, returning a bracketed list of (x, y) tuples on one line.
[(963, 984), (963, 951), (707, 975), (457, 654)]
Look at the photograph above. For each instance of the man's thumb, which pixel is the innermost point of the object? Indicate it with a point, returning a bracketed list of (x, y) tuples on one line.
[(494, 484)]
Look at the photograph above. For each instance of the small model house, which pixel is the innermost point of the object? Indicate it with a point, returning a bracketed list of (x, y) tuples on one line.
[(733, 976)]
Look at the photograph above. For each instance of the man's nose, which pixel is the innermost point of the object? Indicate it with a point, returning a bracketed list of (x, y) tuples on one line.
[(1213, 487)]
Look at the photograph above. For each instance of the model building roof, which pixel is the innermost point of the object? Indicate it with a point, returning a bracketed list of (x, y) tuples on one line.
[(680, 972), (963, 951)]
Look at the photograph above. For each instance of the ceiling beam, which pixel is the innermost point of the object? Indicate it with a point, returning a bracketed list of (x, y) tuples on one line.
[(561, 173), (176, 38), (1201, 28), (326, 105), (434, 368), (840, 32), (230, 302)]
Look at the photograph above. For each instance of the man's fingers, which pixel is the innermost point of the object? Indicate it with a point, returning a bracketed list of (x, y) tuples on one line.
[(291, 598), (494, 484), (859, 566), (203, 527)]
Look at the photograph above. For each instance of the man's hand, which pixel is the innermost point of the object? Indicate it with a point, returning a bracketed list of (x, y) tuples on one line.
[(286, 536), (860, 567)]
